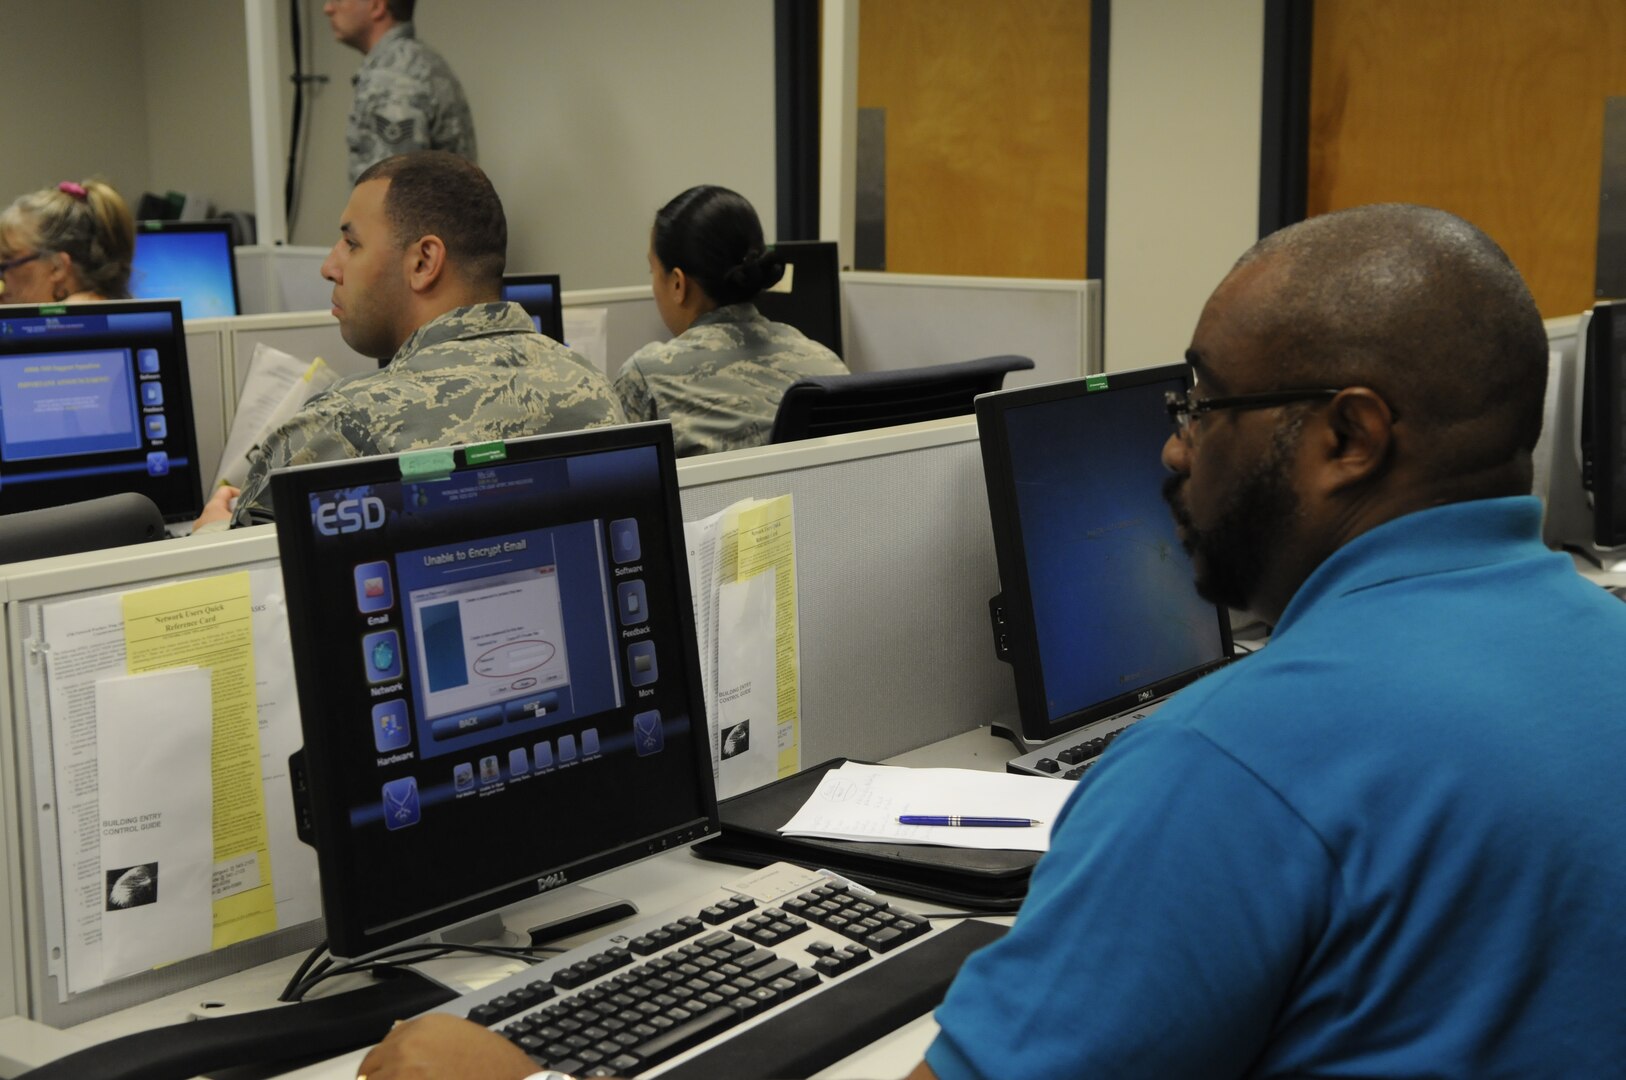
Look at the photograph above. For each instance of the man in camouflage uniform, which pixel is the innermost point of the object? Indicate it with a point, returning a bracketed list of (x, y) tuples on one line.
[(720, 381), (417, 277), (406, 96)]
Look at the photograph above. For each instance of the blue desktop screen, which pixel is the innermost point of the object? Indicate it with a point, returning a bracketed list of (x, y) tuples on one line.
[(195, 267), (1113, 601)]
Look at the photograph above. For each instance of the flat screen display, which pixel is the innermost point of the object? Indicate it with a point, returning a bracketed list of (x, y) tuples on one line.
[(1097, 594), (498, 680), (95, 400), (1604, 423), (539, 295), (192, 261)]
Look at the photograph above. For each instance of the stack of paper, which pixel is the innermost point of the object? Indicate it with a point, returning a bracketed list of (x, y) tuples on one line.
[(742, 570), (864, 802), (277, 387)]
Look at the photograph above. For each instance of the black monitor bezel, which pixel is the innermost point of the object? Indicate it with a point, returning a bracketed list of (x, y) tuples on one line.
[(1021, 647), (821, 258), (182, 387), (558, 315), (211, 225), (346, 932), (1603, 433)]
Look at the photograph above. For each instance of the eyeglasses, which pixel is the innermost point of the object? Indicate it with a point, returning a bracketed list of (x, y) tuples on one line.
[(1184, 409), (9, 265)]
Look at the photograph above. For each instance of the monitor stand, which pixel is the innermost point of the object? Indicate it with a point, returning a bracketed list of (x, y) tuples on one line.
[(566, 912)]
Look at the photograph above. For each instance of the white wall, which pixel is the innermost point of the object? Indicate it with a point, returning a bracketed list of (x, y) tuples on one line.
[(589, 117), (196, 88), (1182, 166), (71, 98)]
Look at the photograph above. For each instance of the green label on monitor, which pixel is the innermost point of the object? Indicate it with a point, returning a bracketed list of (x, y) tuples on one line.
[(1092, 383), (54, 309), (436, 464), (485, 452)]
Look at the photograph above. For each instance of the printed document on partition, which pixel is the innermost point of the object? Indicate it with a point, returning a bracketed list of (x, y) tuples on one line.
[(587, 333), (152, 739), (864, 802), (209, 622), (84, 644), (747, 686), (767, 542)]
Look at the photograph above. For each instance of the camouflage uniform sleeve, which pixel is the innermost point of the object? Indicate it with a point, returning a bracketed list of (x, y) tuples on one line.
[(323, 431), (633, 390)]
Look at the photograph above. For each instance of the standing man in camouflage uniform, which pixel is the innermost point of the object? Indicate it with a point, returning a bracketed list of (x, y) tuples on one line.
[(406, 96), (721, 378), (417, 277)]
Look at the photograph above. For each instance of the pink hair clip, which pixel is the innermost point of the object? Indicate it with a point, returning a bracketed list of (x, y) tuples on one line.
[(68, 187)]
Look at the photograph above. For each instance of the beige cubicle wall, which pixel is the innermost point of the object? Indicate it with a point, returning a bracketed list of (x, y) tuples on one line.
[(892, 321), (209, 371)]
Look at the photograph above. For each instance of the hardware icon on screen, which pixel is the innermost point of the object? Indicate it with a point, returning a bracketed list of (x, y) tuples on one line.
[(390, 730), (401, 806)]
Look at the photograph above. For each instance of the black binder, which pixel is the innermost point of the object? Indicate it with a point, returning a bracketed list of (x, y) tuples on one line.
[(992, 881)]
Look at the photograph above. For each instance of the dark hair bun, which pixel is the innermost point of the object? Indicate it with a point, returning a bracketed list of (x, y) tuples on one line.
[(759, 270), (715, 237)]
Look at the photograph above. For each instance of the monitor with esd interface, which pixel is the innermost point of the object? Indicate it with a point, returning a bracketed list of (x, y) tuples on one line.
[(95, 400), (1097, 612), (192, 261), (498, 681)]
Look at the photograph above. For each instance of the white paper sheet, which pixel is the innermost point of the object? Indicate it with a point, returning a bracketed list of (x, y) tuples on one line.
[(704, 552), (157, 847), (863, 802), (747, 686), (84, 641), (587, 331), (278, 385)]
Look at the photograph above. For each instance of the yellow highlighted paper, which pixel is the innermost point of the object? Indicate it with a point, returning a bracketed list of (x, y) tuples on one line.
[(766, 539), (208, 623)]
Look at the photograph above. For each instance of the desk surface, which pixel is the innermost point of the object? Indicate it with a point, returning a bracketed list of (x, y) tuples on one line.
[(653, 885)]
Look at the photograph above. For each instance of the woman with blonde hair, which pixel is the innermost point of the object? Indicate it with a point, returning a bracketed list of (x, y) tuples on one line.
[(66, 243)]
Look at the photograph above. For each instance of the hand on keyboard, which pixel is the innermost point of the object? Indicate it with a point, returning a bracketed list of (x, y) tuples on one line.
[(447, 1048)]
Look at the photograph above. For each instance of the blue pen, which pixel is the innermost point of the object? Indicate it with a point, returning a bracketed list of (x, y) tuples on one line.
[(968, 822)]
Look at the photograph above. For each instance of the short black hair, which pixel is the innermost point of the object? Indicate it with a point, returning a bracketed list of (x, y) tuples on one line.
[(1422, 307), (434, 192), (713, 234)]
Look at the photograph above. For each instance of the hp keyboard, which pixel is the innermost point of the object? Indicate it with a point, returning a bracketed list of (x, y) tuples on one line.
[(779, 948)]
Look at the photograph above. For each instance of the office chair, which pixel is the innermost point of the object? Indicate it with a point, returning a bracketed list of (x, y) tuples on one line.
[(837, 404), (111, 521)]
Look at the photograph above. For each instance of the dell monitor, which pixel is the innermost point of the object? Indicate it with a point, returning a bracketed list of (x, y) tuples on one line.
[(808, 297), (1097, 613), (95, 400), (1603, 429), (539, 295), (191, 260), (498, 680)]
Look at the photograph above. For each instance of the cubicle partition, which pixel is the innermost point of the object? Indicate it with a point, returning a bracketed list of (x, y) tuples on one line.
[(209, 368), (895, 566), (892, 321), (279, 278)]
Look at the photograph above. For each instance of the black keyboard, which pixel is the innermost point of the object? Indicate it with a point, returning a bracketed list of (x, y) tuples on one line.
[(637, 1001)]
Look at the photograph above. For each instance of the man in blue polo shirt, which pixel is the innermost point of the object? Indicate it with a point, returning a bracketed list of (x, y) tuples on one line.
[(1393, 842)]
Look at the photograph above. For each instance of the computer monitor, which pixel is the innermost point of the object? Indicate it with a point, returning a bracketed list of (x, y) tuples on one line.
[(498, 680), (191, 260), (539, 295), (1603, 425), (1097, 611), (95, 400), (808, 297)]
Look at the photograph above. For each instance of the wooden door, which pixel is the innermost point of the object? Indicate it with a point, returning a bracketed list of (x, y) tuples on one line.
[(987, 132), (1492, 109)]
